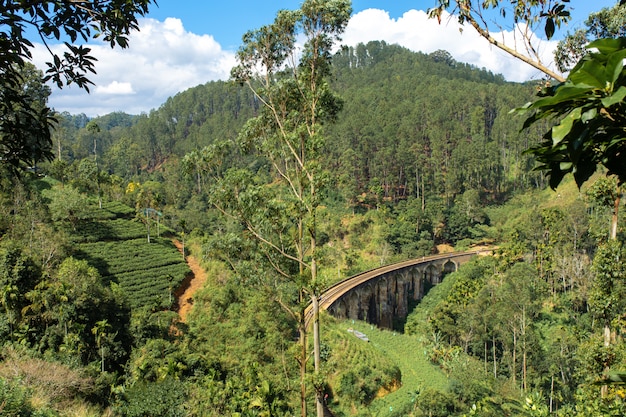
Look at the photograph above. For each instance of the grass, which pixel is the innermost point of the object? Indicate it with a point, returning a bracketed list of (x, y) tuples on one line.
[(407, 353), (384, 354)]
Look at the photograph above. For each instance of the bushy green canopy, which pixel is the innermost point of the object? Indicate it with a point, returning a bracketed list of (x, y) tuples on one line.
[(591, 113)]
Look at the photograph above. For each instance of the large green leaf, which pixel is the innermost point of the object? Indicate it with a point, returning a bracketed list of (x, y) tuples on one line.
[(565, 166), (584, 170), (607, 46), (564, 93), (589, 115), (615, 98), (560, 131), (591, 74), (615, 65)]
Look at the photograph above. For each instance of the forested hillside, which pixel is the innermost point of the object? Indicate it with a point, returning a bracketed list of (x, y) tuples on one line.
[(419, 154), (417, 125), (413, 126)]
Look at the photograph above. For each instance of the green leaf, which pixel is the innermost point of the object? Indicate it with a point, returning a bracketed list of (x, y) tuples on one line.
[(555, 177), (615, 65), (589, 115), (615, 98), (578, 135), (590, 73), (607, 46), (583, 171), (566, 92), (560, 131), (549, 28), (565, 166)]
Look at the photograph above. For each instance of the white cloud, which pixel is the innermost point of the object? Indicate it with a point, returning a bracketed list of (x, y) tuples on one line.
[(164, 59), (115, 88), (415, 31)]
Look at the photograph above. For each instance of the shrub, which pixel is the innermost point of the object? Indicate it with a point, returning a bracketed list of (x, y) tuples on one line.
[(159, 399), (54, 382), (15, 401)]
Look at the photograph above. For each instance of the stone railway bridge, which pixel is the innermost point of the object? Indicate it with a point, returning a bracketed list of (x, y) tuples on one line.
[(381, 296)]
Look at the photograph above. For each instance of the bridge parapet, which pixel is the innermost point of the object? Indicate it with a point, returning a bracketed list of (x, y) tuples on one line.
[(382, 295)]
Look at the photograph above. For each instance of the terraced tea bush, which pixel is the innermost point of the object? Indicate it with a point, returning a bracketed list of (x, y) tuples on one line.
[(114, 242), (147, 272), (109, 230)]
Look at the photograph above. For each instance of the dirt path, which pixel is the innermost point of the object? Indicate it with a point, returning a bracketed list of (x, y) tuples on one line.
[(191, 284)]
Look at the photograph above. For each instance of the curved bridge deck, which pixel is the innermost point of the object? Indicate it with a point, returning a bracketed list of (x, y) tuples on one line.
[(381, 295)]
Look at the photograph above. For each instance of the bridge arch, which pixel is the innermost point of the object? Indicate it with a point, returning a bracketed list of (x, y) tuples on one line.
[(449, 266), (381, 296), (431, 274), (339, 309), (353, 305), (368, 303)]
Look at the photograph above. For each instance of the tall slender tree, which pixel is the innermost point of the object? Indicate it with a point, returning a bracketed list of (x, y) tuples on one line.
[(291, 81)]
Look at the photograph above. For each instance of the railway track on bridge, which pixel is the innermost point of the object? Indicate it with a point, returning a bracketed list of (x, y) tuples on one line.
[(336, 291)]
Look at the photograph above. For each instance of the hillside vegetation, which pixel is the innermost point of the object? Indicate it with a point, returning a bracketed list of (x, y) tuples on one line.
[(423, 153)]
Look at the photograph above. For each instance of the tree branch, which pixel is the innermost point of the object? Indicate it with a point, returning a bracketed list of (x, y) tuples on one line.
[(511, 51)]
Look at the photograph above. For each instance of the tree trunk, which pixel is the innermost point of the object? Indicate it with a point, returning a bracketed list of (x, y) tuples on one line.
[(493, 353), (148, 225), (524, 349), (302, 362), (486, 347), (613, 234), (551, 392), (514, 357), (604, 390), (319, 395)]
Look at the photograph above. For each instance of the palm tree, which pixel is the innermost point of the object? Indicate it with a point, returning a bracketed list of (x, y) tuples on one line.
[(100, 331)]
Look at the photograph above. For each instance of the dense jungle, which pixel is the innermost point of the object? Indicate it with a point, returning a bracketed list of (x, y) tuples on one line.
[(159, 264)]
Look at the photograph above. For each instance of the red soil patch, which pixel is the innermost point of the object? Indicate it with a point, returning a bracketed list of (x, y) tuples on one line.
[(194, 281)]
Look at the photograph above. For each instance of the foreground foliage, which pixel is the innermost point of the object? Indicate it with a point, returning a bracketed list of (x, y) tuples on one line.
[(589, 107), (25, 120)]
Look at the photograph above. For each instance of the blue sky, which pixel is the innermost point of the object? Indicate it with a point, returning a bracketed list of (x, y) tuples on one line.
[(228, 20), (183, 43)]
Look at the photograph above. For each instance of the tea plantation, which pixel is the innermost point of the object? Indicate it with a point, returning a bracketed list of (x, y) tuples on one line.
[(115, 242)]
